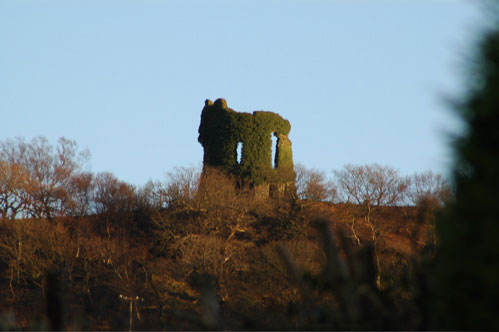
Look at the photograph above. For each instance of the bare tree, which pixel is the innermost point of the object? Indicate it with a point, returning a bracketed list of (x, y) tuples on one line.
[(372, 185), (112, 196), (152, 195), (50, 172), (13, 189), (313, 184), (14, 179), (42, 173), (429, 187), (78, 200), (181, 185)]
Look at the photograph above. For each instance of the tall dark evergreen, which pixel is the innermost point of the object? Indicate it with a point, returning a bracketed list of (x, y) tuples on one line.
[(466, 276)]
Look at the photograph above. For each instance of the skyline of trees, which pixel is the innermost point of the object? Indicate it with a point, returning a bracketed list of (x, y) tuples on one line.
[(41, 180)]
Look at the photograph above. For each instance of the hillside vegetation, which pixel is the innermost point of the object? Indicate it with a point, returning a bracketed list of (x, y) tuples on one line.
[(76, 248)]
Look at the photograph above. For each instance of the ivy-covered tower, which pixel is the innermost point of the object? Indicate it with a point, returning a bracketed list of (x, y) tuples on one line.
[(241, 144)]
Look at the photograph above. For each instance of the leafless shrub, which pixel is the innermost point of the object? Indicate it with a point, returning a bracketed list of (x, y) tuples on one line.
[(312, 184)]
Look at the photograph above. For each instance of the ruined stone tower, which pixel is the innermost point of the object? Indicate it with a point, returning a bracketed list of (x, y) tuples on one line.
[(224, 133)]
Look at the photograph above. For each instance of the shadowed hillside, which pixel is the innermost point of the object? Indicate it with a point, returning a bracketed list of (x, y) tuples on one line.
[(209, 260)]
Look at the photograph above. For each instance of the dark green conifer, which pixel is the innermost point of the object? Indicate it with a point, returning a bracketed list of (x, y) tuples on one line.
[(466, 275)]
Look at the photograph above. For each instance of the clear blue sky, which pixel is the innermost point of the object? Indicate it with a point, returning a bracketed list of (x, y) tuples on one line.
[(360, 81)]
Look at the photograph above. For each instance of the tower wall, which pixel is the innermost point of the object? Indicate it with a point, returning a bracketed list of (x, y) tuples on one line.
[(222, 128)]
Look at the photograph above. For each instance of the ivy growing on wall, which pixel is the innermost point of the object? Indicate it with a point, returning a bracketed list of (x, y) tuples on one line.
[(221, 130)]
